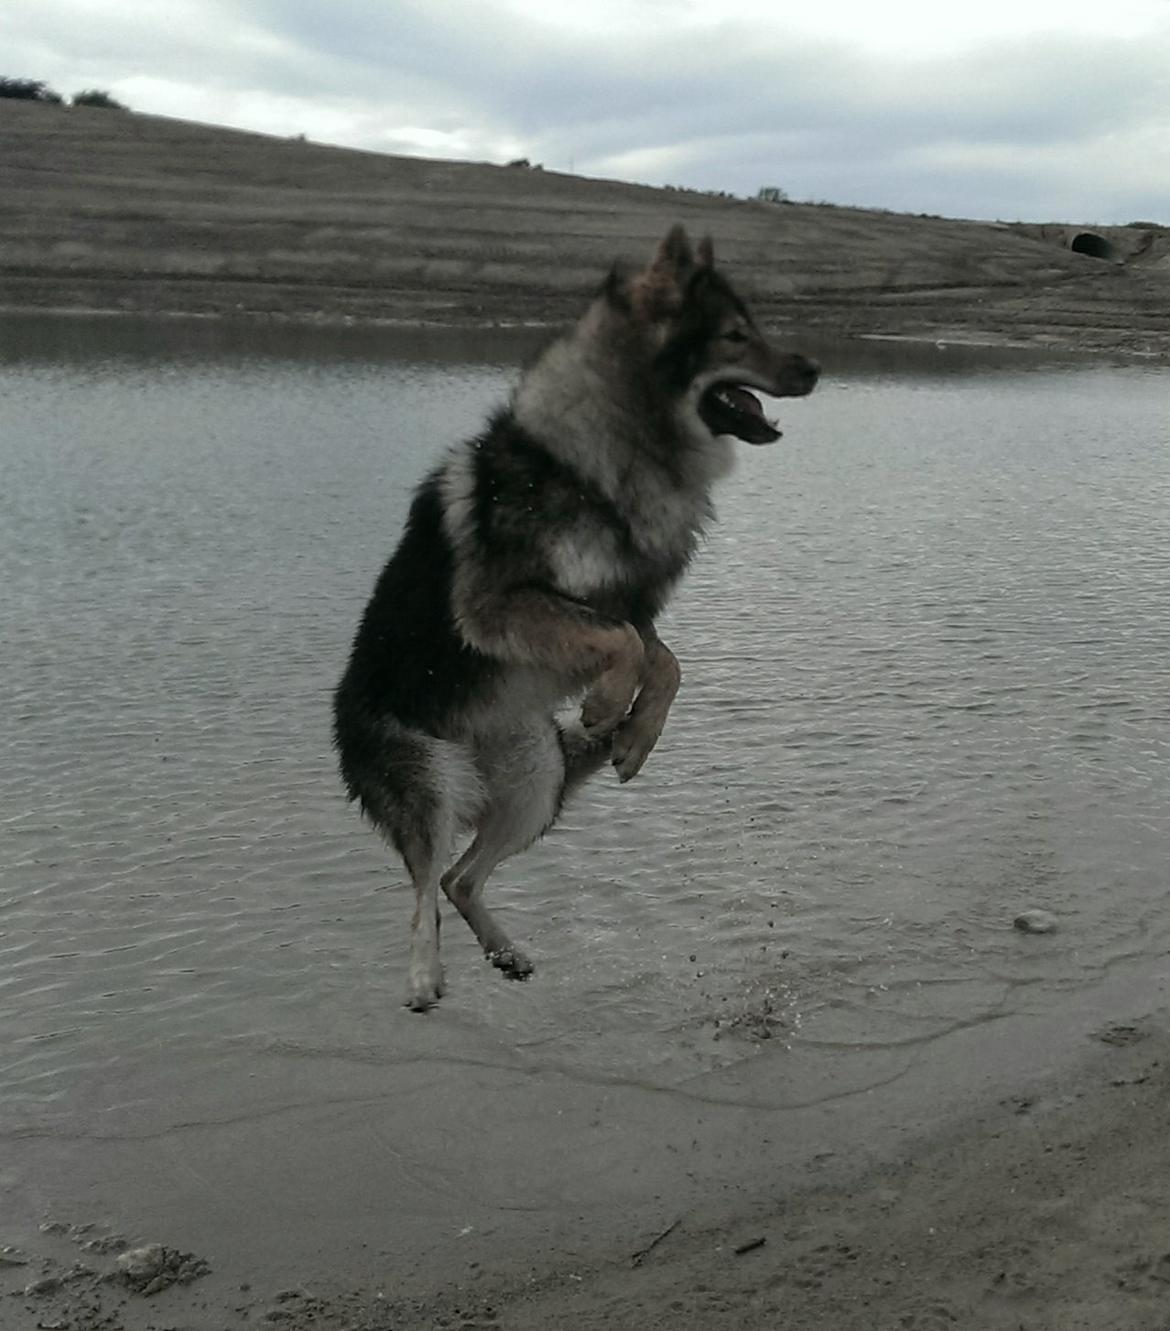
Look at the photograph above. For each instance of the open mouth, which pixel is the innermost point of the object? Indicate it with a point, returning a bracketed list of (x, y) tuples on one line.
[(733, 409)]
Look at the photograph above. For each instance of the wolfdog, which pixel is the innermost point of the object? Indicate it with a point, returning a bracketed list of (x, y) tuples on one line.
[(535, 560)]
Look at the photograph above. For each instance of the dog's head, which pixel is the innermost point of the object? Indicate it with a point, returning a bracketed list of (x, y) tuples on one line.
[(706, 349)]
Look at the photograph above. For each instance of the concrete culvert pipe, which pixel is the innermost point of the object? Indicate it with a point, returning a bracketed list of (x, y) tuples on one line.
[(1095, 246)]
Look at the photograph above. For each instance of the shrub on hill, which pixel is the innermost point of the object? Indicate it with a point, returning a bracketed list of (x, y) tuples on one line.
[(95, 97), (28, 90)]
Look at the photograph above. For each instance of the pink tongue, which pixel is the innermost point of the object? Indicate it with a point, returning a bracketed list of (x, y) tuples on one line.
[(742, 400)]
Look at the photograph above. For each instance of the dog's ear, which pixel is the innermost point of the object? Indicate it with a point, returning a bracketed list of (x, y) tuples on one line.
[(675, 253), (657, 292), (706, 253)]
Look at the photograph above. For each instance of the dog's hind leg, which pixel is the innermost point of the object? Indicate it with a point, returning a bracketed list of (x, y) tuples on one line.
[(425, 850), (524, 775), (437, 790)]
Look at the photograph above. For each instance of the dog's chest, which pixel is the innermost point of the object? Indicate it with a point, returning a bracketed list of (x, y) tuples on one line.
[(599, 564), (585, 562)]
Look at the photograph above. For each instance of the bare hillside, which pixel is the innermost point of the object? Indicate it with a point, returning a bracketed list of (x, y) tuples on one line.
[(109, 210)]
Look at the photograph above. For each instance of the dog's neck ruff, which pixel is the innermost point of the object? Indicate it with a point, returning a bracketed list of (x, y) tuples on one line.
[(593, 402)]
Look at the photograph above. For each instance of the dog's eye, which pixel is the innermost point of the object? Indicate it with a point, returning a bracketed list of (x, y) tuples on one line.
[(734, 335)]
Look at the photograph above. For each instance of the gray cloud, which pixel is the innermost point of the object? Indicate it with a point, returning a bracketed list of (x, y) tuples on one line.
[(1007, 128)]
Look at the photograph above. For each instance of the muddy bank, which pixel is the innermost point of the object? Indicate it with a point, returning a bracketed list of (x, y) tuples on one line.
[(1044, 1215), (1017, 1176), (144, 214)]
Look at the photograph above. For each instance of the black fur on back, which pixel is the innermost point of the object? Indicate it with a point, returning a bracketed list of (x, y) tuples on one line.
[(408, 664)]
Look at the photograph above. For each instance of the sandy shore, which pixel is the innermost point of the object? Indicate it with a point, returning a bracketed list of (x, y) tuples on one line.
[(1047, 1213), (1015, 1174)]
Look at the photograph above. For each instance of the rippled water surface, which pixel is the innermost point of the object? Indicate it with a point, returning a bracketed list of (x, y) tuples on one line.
[(926, 687)]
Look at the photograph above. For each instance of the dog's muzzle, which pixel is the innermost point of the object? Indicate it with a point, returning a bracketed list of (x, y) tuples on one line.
[(730, 408)]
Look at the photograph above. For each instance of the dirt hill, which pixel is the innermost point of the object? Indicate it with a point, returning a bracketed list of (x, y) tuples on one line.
[(111, 210)]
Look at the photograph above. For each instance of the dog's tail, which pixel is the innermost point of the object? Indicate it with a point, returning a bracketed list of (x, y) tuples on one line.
[(584, 754)]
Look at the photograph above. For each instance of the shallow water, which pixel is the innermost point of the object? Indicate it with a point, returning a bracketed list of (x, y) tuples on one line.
[(926, 687)]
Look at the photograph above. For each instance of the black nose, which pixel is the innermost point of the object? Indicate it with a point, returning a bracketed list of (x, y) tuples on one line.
[(810, 370)]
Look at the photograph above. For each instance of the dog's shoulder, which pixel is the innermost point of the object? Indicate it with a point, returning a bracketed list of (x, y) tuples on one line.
[(507, 490)]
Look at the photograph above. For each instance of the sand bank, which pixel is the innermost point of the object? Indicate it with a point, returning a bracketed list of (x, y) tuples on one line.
[(1013, 1174)]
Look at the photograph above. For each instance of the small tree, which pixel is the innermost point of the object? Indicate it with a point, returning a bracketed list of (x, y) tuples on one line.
[(95, 97), (28, 90), (771, 194)]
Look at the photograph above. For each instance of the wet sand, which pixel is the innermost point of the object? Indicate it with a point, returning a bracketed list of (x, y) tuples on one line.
[(1016, 1175)]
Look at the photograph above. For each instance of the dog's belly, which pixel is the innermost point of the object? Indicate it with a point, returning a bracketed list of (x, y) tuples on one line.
[(518, 700)]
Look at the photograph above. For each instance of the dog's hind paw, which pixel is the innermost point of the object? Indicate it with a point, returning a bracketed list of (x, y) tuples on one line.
[(512, 962), (424, 992), (422, 1002)]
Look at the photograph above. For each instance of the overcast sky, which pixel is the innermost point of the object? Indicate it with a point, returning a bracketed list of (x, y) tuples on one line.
[(1013, 109)]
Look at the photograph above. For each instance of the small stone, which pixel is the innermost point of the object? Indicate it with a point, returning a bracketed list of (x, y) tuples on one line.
[(143, 1264), (108, 1243), (1120, 1035), (46, 1285), (10, 1256), (152, 1268), (1035, 922)]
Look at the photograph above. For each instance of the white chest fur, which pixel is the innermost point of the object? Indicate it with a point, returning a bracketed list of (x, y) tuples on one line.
[(585, 561)]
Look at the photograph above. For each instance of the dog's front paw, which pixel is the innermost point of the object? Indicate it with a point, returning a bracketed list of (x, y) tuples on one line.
[(631, 747), (606, 705), (611, 695)]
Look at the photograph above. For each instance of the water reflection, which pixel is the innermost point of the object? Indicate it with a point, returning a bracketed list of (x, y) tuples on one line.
[(53, 338)]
